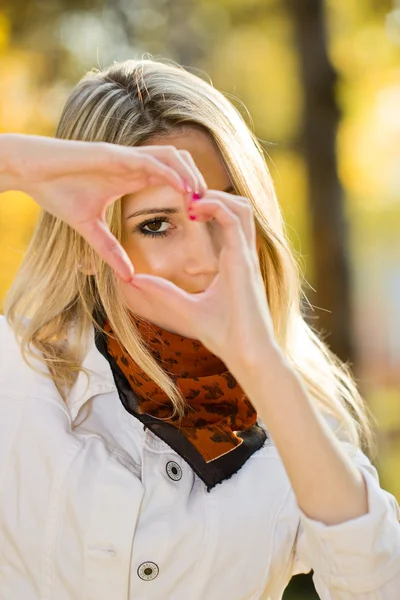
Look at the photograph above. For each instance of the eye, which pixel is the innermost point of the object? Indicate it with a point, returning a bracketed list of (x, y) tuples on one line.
[(153, 223)]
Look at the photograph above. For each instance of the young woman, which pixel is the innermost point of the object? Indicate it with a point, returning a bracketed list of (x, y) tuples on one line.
[(171, 428)]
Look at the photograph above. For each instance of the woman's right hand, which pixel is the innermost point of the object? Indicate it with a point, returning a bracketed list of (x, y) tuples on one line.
[(76, 180)]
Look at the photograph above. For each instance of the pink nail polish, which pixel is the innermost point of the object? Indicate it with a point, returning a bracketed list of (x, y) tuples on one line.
[(196, 196), (192, 217)]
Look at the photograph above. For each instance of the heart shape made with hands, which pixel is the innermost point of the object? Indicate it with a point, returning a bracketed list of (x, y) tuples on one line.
[(234, 308)]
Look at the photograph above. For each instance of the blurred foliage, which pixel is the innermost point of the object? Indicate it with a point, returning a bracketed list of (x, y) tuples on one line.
[(248, 51)]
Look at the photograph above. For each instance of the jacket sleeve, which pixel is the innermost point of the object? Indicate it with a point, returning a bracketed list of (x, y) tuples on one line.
[(358, 559)]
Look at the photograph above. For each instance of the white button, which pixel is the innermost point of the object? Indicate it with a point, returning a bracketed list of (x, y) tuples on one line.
[(174, 470), (148, 571)]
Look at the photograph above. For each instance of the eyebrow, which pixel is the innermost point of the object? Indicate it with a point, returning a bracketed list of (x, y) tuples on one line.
[(168, 211)]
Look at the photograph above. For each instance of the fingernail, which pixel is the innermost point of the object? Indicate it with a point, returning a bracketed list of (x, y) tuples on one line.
[(192, 217), (196, 196)]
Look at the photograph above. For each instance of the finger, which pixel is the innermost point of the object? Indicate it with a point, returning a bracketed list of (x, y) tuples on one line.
[(165, 293), (174, 159), (231, 230), (157, 172), (202, 189), (237, 259), (138, 161), (237, 205), (98, 235)]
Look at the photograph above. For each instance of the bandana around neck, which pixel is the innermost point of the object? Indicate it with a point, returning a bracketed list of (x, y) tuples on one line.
[(219, 430)]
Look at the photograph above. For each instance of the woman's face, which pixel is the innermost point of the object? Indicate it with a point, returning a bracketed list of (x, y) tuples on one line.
[(166, 242)]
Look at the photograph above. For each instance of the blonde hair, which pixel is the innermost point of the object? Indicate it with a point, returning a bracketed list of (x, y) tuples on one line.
[(133, 103)]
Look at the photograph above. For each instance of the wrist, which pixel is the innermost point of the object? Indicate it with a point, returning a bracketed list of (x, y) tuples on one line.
[(267, 358), (9, 179)]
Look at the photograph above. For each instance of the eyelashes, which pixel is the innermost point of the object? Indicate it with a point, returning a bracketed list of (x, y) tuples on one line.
[(156, 221)]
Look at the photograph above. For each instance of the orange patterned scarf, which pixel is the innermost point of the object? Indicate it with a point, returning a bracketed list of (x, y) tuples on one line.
[(218, 407)]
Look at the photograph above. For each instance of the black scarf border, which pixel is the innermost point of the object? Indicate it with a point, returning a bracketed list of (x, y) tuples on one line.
[(211, 473)]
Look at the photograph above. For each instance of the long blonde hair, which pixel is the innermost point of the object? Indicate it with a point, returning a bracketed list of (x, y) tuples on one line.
[(132, 103)]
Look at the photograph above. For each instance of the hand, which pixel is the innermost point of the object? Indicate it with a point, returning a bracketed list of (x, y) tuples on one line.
[(231, 318), (76, 181)]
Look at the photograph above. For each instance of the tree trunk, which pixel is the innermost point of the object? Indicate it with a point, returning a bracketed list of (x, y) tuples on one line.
[(326, 198)]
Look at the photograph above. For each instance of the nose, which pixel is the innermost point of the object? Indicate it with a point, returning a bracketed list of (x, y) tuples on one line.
[(201, 249)]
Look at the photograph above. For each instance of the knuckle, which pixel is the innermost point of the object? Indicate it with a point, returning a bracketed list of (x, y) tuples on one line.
[(149, 162), (246, 204), (161, 150), (114, 247), (235, 218)]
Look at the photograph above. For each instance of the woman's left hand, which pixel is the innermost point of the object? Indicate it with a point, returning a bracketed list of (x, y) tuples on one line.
[(231, 317)]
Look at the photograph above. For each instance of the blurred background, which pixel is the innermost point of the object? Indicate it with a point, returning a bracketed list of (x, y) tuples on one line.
[(319, 83)]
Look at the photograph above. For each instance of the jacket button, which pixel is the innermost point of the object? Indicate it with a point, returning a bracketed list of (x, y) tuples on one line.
[(174, 471), (147, 571)]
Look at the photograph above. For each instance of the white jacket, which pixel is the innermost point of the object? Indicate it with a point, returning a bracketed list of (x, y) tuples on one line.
[(108, 511)]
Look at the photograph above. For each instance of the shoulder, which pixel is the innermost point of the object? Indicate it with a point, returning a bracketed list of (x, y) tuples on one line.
[(30, 415), (10, 355), (18, 379), (5, 331)]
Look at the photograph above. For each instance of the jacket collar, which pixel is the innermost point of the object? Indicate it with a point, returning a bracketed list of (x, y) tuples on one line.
[(18, 381), (100, 381)]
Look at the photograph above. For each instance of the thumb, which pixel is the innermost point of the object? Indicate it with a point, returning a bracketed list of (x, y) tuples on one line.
[(165, 293), (98, 235)]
